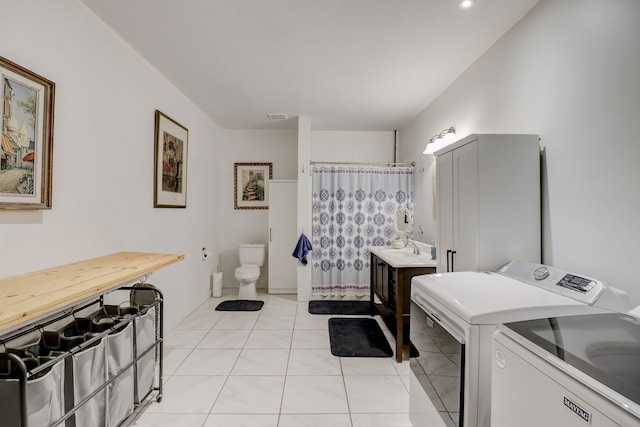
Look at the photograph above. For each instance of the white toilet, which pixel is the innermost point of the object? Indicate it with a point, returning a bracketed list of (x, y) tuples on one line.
[(251, 259)]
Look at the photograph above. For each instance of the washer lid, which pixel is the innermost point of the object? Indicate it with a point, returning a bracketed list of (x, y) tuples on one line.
[(484, 298)]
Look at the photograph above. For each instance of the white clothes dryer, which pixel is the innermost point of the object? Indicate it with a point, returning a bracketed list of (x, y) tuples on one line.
[(454, 316), (568, 371)]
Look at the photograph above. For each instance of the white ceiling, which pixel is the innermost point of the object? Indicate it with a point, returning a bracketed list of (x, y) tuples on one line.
[(348, 64)]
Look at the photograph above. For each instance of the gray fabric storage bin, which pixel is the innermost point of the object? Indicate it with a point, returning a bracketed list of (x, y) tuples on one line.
[(119, 349), (119, 355), (145, 337), (89, 373), (120, 398), (45, 396)]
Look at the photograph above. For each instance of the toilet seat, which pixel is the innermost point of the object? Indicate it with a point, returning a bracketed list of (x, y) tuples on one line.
[(247, 271)]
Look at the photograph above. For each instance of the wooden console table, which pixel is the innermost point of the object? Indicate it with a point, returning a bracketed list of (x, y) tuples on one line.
[(28, 297), (33, 301)]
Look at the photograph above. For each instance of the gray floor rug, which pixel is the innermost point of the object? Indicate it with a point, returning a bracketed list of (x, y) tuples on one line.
[(240, 305), (357, 337), (340, 307)]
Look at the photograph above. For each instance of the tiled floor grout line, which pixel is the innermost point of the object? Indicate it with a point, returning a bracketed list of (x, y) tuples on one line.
[(344, 384), (284, 387)]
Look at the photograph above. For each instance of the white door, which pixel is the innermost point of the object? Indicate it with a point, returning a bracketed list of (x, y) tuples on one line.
[(465, 208), (283, 236), (444, 202)]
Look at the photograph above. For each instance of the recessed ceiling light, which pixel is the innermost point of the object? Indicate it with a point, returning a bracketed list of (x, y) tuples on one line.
[(465, 4), (278, 116)]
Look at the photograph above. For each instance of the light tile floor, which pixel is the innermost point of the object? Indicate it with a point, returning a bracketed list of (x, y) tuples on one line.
[(271, 368)]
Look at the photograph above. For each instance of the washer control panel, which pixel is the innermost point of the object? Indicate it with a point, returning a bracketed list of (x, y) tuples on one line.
[(577, 283), (577, 287)]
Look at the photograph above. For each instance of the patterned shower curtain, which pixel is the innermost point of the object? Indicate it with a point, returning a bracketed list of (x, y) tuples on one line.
[(353, 207)]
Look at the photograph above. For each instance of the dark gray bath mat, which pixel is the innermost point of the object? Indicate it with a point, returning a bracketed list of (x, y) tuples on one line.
[(359, 337), (340, 307), (240, 305)]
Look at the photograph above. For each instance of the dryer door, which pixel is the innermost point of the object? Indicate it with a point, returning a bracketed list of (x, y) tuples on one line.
[(439, 370)]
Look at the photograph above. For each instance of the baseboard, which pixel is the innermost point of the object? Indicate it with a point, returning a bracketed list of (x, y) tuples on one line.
[(286, 291)]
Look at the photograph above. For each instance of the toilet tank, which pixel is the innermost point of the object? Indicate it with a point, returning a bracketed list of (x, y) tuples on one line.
[(252, 254)]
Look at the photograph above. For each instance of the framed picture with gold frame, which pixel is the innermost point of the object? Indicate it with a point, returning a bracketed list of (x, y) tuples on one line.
[(26, 138), (251, 185), (170, 172)]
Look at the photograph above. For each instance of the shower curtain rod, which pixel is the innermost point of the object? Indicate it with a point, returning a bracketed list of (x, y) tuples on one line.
[(365, 163)]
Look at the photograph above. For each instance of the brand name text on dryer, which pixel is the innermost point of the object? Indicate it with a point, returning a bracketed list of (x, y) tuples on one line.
[(586, 416)]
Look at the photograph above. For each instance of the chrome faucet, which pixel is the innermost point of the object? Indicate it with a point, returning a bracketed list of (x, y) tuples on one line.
[(416, 249)]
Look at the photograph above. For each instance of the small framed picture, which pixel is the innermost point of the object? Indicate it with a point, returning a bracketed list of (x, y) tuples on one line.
[(26, 138), (251, 185), (170, 176)]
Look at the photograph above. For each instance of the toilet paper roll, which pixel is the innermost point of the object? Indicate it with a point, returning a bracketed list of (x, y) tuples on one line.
[(217, 285), (206, 254)]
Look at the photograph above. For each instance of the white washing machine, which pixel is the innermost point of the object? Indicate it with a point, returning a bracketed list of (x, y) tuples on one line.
[(454, 316), (568, 371)]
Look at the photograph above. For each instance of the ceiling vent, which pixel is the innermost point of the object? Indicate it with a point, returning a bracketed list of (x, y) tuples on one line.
[(278, 116)]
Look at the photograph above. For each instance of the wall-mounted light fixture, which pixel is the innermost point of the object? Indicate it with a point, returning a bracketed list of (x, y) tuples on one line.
[(439, 140), (465, 4)]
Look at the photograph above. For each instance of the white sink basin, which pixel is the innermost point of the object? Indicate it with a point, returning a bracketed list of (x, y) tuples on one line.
[(405, 257), (404, 252)]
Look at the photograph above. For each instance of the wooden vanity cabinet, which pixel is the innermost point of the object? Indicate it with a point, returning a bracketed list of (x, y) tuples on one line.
[(392, 286)]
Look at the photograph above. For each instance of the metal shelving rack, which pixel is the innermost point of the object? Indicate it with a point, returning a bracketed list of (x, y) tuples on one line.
[(56, 389), (28, 374)]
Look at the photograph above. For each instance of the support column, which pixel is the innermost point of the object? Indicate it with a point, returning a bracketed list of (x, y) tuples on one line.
[(304, 201)]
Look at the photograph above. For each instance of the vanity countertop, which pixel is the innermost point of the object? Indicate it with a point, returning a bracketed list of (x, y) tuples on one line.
[(404, 257)]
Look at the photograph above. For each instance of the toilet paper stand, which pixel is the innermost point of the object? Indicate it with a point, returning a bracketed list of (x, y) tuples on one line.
[(216, 291)]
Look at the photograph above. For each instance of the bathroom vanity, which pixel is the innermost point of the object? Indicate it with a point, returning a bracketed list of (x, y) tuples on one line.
[(391, 273)]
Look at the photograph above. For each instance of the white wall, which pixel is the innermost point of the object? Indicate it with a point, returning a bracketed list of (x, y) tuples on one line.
[(238, 226), (569, 72), (103, 155), (351, 146)]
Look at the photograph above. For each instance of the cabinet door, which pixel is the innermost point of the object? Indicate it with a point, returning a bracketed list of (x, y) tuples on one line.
[(444, 209), (392, 288), (380, 278), (282, 237), (385, 282), (465, 207), (375, 274)]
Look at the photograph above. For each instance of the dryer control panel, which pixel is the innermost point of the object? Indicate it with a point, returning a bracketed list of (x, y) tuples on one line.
[(574, 286), (577, 283)]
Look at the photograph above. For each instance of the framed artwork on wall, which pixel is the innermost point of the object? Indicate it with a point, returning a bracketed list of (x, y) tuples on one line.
[(26, 139), (251, 185), (170, 172)]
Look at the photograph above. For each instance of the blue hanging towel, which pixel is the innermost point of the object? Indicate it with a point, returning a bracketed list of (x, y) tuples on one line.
[(302, 249)]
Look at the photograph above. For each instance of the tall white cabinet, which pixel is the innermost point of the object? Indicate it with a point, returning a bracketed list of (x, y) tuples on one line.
[(488, 202), (283, 236)]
